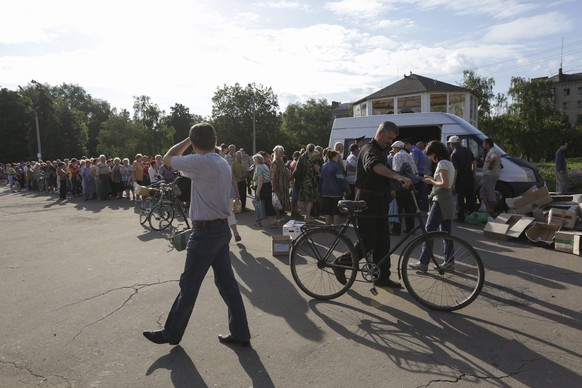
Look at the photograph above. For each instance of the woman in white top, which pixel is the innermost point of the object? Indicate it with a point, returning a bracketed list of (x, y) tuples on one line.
[(442, 205)]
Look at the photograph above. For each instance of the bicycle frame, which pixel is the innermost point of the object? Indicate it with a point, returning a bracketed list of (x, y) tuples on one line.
[(352, 221)]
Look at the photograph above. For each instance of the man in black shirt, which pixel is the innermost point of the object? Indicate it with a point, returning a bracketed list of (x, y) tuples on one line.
[(373, 186)]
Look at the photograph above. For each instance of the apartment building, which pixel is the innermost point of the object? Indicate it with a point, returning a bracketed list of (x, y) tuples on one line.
[(567, 94)]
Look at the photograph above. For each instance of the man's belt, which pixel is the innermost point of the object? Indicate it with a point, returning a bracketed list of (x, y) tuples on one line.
[(204, 224)]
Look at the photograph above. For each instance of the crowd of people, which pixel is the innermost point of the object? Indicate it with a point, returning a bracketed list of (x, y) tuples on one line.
[(314, 177), (97, 178)]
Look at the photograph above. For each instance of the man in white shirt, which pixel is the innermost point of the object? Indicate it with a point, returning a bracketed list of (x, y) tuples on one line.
[(208, 245)]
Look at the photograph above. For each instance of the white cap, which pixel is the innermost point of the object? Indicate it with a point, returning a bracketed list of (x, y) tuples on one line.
[(398, 144), (453, 139)]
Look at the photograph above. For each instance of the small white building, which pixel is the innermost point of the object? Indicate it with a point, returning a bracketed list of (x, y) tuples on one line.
[(415, 93)]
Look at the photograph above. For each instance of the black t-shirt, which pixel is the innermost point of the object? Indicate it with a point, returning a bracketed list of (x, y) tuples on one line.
[(366, 179)]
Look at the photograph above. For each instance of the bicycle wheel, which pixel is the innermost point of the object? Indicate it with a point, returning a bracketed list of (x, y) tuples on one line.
[(161, 216), (144, 211), (454, 283), (323, 263)]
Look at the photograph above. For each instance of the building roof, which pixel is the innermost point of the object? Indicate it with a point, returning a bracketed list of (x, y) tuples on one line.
[(561, 77), (566, 77), (414, 84)]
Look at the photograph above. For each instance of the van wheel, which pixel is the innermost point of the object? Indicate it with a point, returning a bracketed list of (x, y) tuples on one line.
[(502, 192)]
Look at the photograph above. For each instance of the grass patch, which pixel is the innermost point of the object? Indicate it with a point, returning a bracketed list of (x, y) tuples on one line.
[(548, 173)]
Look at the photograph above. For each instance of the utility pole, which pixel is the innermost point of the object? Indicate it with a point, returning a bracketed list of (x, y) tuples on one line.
[(39, 154), (254, 132)]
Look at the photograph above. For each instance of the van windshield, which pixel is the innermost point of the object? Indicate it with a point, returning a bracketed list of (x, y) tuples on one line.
[(475, 144)]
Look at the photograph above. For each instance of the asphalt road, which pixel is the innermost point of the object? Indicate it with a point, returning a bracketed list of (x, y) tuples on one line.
[(80, 281)]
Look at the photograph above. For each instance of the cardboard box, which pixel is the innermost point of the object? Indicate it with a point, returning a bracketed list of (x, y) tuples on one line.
[(293, 228), (564, 241), (531, 199), (565, 217), (577, 248), (281, 245), (540, 232), (507, 225)]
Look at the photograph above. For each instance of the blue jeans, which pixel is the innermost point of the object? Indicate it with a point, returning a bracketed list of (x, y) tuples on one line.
[(434, 220), (208, 247)]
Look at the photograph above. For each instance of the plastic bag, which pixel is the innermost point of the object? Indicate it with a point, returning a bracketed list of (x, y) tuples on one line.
[(260, 211), (276, 202), (180, 240), (236, 206), (477, 218), (393, 212)]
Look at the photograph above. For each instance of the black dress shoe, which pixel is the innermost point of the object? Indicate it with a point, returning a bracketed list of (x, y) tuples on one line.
[(388, 283), (157, 337), (229, 340)]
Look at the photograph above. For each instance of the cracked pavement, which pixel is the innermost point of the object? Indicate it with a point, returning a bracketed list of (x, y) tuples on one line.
[(80, 281)]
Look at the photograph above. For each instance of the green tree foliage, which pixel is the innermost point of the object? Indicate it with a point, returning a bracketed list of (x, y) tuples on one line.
[(39, 100), (99, 112), (236, 109), (120, 136), (308, 123), (535, 120), (158, 136), (14, 119), (180, 119), (482, 88)]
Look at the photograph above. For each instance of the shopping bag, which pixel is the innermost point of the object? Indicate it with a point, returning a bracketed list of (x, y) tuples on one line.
[(236, 206), (260, 211), (276, 202), (392, 212), (179, 240)]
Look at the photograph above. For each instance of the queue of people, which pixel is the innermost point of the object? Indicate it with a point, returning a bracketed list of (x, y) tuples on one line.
[(98, 178)]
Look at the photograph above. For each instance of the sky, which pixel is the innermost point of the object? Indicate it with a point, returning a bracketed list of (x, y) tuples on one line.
[(181, 51)]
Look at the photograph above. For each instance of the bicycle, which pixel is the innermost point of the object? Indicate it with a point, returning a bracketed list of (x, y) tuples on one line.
[(160, 208), (454, 279)]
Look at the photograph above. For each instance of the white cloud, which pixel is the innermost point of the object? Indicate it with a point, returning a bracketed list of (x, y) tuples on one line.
[(493, 8), (283, 5), (357, 9), (529, 28)]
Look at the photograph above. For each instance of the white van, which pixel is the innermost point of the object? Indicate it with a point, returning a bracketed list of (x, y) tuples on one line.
[(517, 175)]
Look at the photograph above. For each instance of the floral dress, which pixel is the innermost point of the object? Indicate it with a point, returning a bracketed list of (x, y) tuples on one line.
[(310, 189), (280, 181)]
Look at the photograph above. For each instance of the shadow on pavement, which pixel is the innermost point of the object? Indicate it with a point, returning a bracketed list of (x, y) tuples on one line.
[(269, 290)]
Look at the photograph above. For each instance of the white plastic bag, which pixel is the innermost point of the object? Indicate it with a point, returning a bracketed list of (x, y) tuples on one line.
[(276, 202)]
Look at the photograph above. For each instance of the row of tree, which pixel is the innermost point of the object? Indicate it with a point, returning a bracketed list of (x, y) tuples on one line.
[(72, 123)]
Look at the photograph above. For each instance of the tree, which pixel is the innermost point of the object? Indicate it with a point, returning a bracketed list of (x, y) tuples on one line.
[(158, 136), (99, 112), (180, 119), (14, 118), (121, 136), (72, 131), (482, 88), (39, 101), (236, 110), (536, 120), (308, 123)]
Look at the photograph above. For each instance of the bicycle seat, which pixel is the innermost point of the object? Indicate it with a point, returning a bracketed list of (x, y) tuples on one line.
[(346, 206)]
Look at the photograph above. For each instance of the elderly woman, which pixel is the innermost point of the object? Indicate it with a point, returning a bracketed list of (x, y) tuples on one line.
[(310, 188), (116, 178), (333, 187), (127, 178), (264, 191), (102, 174), (88, 182), (280, 176)]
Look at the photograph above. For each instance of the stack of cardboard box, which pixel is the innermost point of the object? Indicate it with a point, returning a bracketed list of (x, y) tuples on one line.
[(543, 218)]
